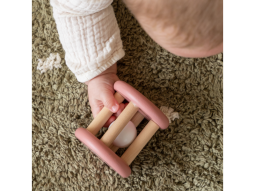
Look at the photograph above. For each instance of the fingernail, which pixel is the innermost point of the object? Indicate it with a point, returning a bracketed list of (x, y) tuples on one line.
[(115, 108)]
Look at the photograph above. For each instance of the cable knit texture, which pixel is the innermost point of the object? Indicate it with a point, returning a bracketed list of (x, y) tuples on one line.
[(89, 34)]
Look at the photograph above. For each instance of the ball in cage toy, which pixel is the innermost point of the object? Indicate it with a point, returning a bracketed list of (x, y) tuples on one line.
[(122, 132)]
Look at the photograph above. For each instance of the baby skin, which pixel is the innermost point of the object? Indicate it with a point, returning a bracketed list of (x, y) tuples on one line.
[(185, 28), (101, 93)]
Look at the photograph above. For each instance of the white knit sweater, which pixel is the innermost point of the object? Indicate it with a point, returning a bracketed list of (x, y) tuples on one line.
[(89, 34)]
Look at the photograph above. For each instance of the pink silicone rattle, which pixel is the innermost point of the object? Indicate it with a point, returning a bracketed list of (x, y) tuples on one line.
[(138, 108)]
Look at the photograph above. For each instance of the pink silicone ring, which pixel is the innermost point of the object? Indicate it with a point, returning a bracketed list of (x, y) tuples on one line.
[(147, 108), (103, 152)]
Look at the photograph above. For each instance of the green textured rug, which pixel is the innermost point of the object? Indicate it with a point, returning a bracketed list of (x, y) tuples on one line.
[(186, 156)]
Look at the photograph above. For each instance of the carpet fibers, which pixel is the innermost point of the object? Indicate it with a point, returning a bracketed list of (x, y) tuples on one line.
[(186, 156)]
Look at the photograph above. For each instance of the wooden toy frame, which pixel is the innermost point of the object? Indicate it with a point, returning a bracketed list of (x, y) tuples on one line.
[(138, 108)]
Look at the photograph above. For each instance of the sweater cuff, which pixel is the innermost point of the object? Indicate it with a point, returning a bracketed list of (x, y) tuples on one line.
[(86, 76)]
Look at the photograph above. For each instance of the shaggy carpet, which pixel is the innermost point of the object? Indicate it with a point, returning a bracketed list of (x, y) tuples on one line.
[(186, 156)]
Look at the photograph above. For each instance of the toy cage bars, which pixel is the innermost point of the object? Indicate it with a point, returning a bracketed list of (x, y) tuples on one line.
[(138, 108)]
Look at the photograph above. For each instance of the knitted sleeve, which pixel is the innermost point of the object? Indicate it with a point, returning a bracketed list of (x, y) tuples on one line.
[(89, 34)]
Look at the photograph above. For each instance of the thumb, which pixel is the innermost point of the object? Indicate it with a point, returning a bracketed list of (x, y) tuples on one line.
[(109, 101)]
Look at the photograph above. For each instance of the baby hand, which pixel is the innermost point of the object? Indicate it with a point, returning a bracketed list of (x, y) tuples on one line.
[(101, 93)]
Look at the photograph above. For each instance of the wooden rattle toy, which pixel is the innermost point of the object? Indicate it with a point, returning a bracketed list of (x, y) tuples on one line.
[(124, 126)]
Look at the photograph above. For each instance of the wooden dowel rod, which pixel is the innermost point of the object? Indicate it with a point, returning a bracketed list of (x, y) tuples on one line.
[(114, 148), (118, 125), (141, 140), (99, 121), (136, 120)]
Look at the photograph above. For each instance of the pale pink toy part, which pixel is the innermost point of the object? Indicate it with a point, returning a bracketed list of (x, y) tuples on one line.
[(103, 152), (147, 108), (126, 136), (123, 133)]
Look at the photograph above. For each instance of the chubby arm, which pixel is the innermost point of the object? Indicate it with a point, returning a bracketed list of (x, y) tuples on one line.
[(89, 34)]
